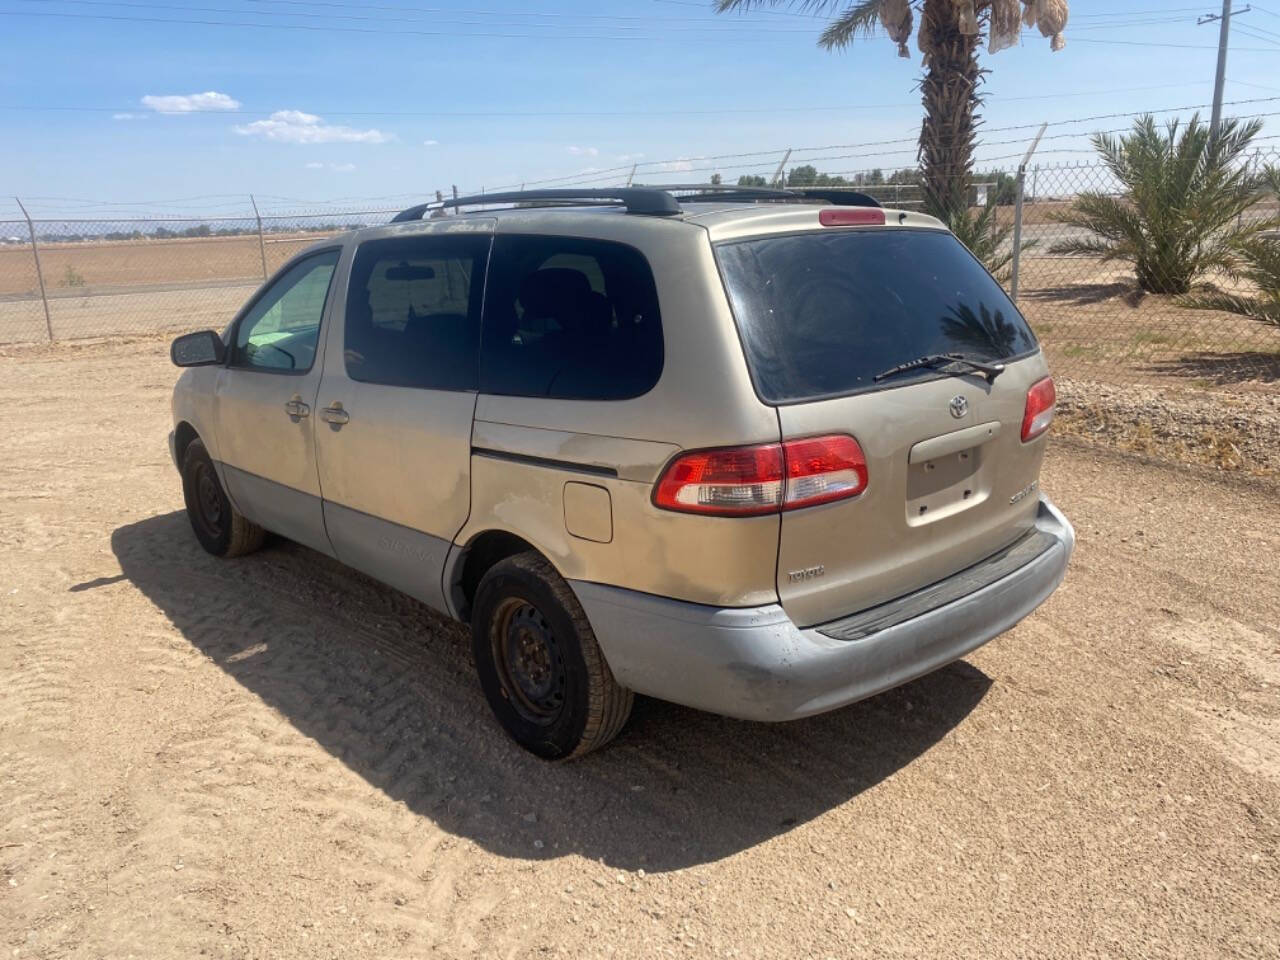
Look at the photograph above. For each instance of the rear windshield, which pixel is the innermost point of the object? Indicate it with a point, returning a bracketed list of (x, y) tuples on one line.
[(822, 313)]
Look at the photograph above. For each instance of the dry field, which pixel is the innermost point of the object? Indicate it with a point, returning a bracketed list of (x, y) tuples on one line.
[(138, 286), (71, 268), (274, 757)]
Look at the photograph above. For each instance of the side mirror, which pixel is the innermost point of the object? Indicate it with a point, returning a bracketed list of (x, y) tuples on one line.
[(198, 350)]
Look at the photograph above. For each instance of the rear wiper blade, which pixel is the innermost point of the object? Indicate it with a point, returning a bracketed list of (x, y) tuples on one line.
[(988, 370)]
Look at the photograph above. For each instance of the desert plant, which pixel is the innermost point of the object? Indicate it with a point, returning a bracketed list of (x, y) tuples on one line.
[(71, 277), (1178, 217), (1260, 267), (989, 239)]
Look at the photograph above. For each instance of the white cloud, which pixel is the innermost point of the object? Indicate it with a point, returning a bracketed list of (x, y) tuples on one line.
[(128, 116), (430, 143), (676, 166), (332, 167), (584, 151), (294, 126), (630, 157), (190, 103)]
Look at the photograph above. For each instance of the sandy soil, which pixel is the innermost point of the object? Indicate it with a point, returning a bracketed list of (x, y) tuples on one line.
[(276, 758)]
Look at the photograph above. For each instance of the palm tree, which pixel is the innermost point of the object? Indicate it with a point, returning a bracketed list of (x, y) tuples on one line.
[(1260, 253), (949, 37), (1178, 218)]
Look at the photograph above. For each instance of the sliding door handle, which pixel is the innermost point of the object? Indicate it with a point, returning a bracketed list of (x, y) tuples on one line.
[(335, 415)]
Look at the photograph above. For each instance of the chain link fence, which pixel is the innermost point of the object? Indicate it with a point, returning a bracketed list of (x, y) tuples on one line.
[(105, 278), (1098, 321)]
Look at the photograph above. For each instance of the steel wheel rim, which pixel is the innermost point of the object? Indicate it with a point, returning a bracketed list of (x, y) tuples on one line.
[(208, 500), (529, 660)]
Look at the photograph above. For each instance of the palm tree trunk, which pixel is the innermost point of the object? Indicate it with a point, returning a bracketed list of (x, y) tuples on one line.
[(949, 92)]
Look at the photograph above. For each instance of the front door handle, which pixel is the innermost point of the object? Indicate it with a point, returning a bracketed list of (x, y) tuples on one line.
[(335, 415), (296, 409)]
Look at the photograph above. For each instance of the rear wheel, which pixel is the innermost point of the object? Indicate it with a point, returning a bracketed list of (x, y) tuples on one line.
[(539, 664), (221, 529)]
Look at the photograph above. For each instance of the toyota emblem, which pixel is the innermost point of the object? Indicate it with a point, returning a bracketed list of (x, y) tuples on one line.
[(959, 406)]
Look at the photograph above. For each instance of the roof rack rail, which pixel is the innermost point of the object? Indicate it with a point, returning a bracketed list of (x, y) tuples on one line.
[(653, 201), (838, 195), (640, 200), (841, 196)]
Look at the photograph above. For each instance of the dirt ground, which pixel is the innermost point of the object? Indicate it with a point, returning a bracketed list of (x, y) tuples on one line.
[(273, 757), (96, 265)]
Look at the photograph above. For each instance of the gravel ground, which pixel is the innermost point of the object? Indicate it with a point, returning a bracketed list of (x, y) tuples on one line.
[(1230, 430), (274, 757)]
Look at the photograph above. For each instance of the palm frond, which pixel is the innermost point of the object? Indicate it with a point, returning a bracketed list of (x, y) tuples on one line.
[(1256, 308), (987, 238), (820, 7), (860, 20)]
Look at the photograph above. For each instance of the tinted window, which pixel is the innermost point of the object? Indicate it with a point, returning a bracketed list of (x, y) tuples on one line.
[(570, 318), (413, 311), (822, 313), (282, 328)]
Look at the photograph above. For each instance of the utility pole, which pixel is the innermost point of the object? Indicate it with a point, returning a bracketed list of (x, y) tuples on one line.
[(1224, 30)]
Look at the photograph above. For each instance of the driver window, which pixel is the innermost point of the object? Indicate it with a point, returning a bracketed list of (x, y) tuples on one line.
[(282, 329)]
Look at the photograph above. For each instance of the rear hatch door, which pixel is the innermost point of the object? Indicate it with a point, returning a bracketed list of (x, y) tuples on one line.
[(822, 314)]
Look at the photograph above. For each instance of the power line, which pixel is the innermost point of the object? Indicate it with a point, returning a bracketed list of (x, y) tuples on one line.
[(316, 28), (717, 36), (774, 152), (499, 13), (1180, 46), (669, 25), (1274, 40)]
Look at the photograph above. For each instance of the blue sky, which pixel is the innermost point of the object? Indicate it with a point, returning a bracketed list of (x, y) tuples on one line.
[(311, 103)]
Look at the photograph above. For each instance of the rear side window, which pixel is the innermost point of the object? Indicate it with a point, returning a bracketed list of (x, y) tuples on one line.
[(413, 312), (822, 313), (570, 318)]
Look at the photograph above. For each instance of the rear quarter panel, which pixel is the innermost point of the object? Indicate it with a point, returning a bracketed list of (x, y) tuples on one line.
[(703, 398)]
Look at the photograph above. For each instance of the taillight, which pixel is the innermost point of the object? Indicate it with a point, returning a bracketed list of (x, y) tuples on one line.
[(822, 469), (765, 478), (851, 216), (1039, 411)]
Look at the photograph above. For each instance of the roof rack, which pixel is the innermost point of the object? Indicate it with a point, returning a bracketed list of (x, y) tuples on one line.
[(639, 200), (653, 201)]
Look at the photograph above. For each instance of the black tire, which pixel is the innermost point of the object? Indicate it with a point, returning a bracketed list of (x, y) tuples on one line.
[(221, 529), (539, 664)]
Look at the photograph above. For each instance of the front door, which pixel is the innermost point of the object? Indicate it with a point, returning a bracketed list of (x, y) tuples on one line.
[(393, 433), (265, 400)]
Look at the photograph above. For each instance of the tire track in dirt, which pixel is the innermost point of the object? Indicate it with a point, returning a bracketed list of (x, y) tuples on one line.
[(335, 654)]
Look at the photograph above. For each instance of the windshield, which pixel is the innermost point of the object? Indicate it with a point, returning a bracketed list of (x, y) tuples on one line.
[(822, 313)]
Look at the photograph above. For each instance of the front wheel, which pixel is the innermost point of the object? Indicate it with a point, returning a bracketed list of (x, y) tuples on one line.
[(539, 664), (221, 529)]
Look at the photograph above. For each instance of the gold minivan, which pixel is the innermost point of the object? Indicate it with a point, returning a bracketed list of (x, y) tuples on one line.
[(760, 452)]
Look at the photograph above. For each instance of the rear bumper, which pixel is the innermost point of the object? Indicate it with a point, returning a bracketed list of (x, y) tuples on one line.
[(756, 664)]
